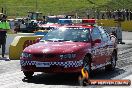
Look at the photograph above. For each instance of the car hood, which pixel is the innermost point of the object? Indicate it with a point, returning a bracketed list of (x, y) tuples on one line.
[(56, 47)]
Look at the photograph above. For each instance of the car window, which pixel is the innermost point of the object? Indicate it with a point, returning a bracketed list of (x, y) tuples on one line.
[(108, 36), (105, 35), (95, 34)]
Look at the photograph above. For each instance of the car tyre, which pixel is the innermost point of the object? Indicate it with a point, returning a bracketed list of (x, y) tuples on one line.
[(28, 75), (113, 62)]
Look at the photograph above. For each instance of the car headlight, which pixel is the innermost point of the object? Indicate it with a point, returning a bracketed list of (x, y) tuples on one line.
[(26, 55), (67, 56)]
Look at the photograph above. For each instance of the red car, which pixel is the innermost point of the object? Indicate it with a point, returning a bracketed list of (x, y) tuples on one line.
[(70, 48)]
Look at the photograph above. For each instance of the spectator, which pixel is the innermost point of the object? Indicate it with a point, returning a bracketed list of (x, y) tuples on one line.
[(103, 15), (2, 41), (107, 13), (123, 14), (127, 14), (98, 14), (17, 27), (88, 15), (3, 30), (130, 15)]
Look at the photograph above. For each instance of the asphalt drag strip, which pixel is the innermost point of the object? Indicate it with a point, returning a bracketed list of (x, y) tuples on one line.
[(11, 75)]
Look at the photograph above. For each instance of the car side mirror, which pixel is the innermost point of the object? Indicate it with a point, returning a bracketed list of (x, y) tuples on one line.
[(96, 41)]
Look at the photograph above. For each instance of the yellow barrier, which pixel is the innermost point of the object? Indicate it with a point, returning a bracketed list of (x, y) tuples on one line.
[(19, 43), (106, 22), (126, 25)]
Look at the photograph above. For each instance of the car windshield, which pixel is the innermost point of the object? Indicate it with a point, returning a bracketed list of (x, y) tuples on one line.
[(70, 34)]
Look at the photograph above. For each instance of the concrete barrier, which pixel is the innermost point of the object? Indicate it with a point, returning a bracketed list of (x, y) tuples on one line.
[(19, 43), (10, 38)]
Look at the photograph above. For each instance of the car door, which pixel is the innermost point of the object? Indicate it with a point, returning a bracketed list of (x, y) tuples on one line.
[(106, 45), (98, 59)]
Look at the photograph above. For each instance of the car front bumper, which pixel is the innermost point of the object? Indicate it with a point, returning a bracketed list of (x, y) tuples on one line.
[(52, 67)]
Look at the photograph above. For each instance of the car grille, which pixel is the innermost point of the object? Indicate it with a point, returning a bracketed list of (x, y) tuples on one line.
[(44, 55)]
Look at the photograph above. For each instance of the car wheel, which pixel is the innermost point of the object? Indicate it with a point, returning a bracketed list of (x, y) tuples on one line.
[(28, 74), (113, 62)]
